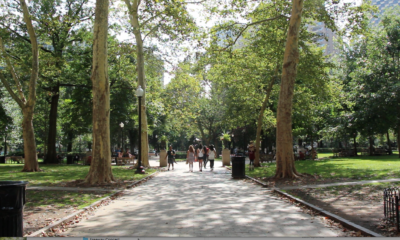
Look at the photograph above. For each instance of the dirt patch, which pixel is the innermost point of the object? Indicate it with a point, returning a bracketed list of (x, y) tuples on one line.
[(40, 217), (362, 205)]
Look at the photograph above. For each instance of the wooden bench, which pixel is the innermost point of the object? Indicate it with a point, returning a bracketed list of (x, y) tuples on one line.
[(266, 158), (124, 160), (15, 159)]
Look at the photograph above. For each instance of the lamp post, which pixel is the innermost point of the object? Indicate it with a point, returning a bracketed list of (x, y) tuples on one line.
[(139, 94), (122, 136), (157, 148)]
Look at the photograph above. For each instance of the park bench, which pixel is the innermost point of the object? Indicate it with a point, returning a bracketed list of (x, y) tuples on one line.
[(124, 160), (380, 151), (15, 159), (266, 157)]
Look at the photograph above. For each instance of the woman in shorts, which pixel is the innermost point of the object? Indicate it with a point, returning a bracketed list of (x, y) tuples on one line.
[(190, 157)]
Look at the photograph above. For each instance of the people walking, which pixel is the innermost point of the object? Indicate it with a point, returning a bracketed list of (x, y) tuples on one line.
[(206, 156), (171, 157), (190, 157), (252, 155), (200, 157), (211, 156)]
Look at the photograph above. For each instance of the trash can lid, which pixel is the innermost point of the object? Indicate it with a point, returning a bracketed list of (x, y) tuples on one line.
[(12, 183)]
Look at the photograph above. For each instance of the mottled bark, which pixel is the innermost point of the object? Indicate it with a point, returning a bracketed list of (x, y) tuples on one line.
[(285, 167), (100, 168), (51, 156), (31, 163)]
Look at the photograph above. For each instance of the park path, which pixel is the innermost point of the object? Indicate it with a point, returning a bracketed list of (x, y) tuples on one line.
[(200, 204)]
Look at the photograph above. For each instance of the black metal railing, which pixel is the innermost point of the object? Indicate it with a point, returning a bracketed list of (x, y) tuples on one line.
[(391, 205)]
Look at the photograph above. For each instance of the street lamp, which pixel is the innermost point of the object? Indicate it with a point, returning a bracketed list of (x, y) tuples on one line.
[(139, 94), (157, 148), (122, 136)]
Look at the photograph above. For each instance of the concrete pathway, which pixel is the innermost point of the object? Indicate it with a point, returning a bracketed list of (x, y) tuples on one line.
[(341, 184), (179, 203)]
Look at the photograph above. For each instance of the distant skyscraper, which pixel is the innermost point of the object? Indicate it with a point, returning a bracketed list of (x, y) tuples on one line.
[(321, 31), (382, 5)]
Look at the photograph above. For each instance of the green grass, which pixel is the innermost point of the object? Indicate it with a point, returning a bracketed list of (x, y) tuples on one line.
[(360, 167), (61, 199), (56, 174), (323, 155)]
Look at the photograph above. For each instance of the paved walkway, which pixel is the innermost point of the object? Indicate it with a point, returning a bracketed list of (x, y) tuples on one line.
[(200, 204)]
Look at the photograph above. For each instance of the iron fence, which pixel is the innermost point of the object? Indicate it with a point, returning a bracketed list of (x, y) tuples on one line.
[(391, 205)]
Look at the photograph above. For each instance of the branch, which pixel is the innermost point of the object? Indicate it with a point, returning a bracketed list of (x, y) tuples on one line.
[(13, 95), (248, 25), (35, 55), (154, 28), (151, 18), (11, 69)]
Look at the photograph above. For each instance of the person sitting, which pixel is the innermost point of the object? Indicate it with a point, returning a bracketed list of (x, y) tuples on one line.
[(59, 158), (76, 158), (125, 154)]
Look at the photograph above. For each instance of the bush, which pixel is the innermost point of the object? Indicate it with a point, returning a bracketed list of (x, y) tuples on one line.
[(16, 153)]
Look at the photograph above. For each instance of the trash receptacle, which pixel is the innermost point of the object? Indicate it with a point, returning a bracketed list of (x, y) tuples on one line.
[(238, 167), (12, 201), (2, 159), (70, 159)]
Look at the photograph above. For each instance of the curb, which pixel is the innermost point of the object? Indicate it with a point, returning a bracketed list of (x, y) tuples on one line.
[(85, 209), (335, 217)]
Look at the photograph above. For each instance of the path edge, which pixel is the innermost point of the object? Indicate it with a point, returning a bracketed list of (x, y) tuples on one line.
[(335, 217), (95, 204)]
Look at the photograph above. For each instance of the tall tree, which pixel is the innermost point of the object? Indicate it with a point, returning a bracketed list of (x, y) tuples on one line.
[(100, 168), (27, 105), (161, 20), (284, 149)]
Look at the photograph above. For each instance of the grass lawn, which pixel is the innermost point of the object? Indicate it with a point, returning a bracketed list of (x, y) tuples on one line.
[(360, 168), (56, 174), (61, 199)]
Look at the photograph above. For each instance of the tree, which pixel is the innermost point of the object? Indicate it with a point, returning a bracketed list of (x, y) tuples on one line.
[(155, 19), (284, 150), (100, 168), (27, 105)]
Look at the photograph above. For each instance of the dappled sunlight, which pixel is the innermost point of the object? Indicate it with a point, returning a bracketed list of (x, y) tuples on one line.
[(208, 204)]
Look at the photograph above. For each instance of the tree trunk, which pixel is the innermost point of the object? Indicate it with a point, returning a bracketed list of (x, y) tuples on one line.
[(51, 156), (134, 20), (31, 161), (398, 139), (388, 140), (5, 144), (371, 152), (355, 146), (100, 168), (285, 167), (70, 139), (260, 121)]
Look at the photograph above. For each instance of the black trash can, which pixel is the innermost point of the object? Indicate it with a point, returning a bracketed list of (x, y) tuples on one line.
[(12, 201), (2, 159), (70, 159), (238, 167)]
